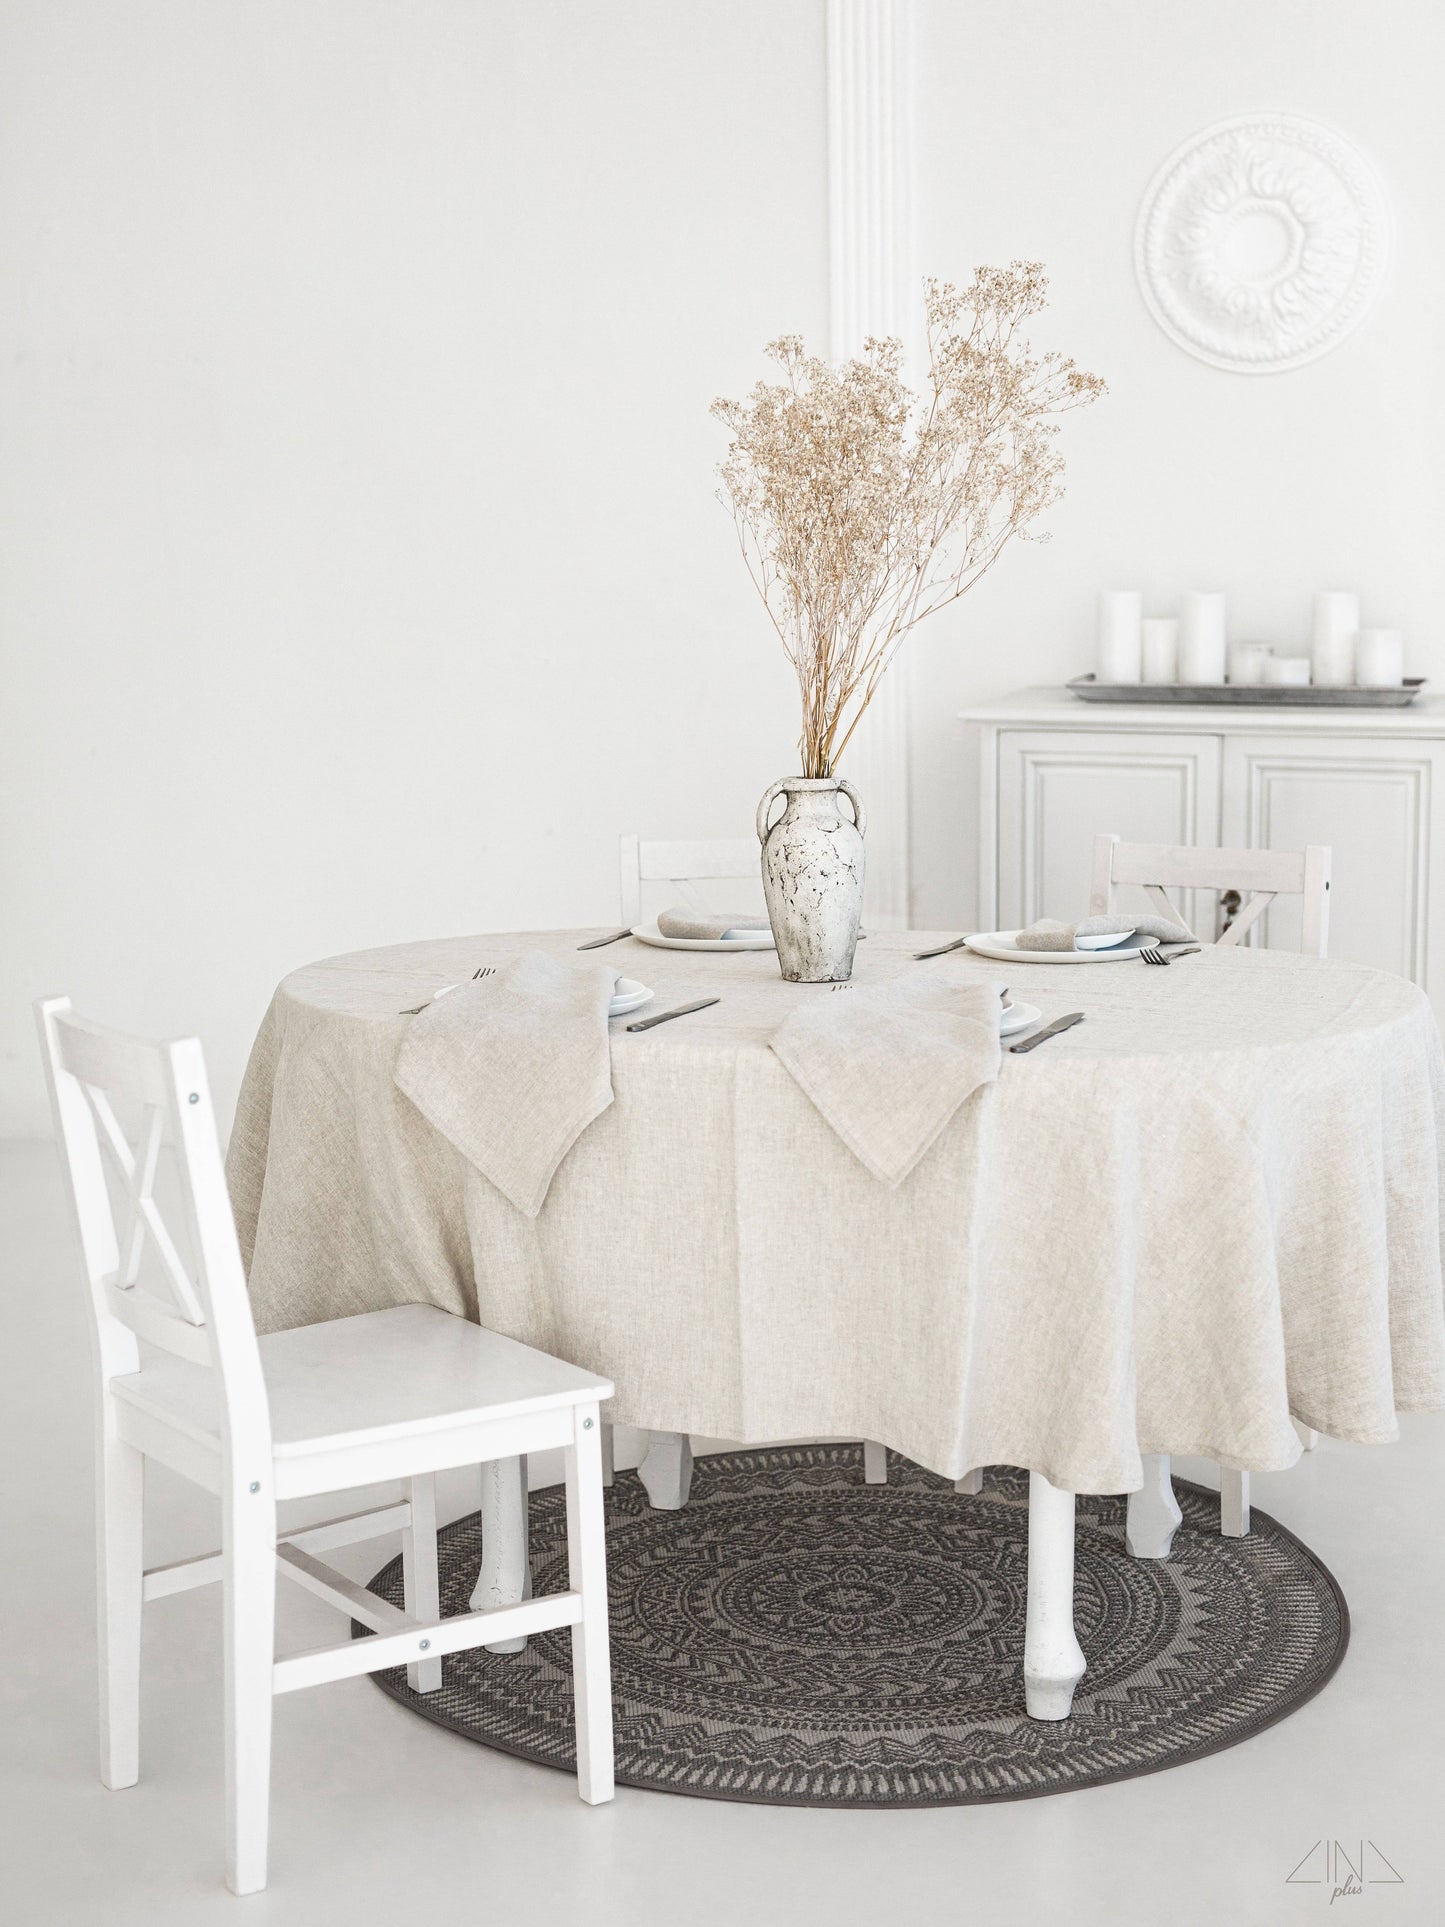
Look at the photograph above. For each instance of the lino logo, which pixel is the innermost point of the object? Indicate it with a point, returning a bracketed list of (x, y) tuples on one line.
[(1346, 1868)]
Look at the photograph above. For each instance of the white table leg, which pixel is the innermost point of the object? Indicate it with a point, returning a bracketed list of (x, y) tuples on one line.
[(1053, 1659), (875, 1463), (971, 1482), (1308, 1437), (666, 1470), (1154, 1514), (505, 1577), (606, 1442), (1233, 1503)]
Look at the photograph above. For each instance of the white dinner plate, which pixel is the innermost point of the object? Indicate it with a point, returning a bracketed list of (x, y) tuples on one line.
[(649, 933), (1017, 1017), (1001, 943), (627, 994)]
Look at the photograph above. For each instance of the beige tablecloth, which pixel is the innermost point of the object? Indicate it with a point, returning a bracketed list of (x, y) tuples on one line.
[(1213, 1204)]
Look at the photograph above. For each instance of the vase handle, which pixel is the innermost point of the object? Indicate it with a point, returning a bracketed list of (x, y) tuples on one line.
[(859, 816), (766, 804)]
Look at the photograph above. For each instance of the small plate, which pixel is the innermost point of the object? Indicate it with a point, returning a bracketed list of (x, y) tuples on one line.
[(649, 933), (627, 995), (1017, 1017), (1003, 944)]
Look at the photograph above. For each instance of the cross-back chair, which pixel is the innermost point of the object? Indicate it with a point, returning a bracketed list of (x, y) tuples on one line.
[(388, 1395), (1265, 874), (683, 864)]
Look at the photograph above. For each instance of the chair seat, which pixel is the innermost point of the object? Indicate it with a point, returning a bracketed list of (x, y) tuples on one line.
[(360, 1380)]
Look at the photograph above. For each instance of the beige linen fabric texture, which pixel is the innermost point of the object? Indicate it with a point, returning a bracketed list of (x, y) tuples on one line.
[(514, 1067), (888, 1067), (1213, 1204)]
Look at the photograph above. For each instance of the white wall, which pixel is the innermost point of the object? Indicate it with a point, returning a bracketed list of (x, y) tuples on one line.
[(362, 572), (363, 576), (1041, 124)]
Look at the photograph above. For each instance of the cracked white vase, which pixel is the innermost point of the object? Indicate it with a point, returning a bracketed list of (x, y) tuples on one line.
[(813, 876)]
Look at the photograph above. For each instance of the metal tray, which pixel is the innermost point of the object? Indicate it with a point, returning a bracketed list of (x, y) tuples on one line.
[(1266, 696)]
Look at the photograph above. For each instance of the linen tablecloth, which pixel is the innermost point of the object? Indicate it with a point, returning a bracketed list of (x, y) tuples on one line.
[(1214, 1204)]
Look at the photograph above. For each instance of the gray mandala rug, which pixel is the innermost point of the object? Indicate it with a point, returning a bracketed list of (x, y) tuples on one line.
[(798, 1638)]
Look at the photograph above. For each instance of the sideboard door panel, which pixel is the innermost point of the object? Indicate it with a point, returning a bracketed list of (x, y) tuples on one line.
[(1376, 803), (1058, 788)]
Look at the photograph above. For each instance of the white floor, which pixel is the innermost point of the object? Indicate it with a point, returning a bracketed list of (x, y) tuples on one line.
[(378, 1816)]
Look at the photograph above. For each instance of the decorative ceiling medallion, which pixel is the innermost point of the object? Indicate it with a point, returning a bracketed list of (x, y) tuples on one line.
[(1261, 242)]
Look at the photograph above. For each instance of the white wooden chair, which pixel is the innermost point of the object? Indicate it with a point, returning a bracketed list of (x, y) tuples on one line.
[(388, 1395), (1265, 874), (683, 865)]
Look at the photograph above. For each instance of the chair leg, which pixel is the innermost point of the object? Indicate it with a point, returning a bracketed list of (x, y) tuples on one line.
[(119, 1504), (1233, 1503), (666, 1470), (1053, 1659), (875, 1463), (249, 1577), (505, 1577), (1154, 1515), (421, 1590), (587, 1574)]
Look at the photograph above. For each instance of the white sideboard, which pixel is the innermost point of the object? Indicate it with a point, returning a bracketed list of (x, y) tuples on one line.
[(1370, 783)]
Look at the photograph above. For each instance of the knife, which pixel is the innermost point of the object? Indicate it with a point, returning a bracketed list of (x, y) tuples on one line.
[(681, 1011), (599, 943), (1050, 1030), (942, 950)]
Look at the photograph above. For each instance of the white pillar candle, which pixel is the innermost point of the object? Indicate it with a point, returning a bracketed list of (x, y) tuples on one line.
[(1246, 663), (1201, 638), (1292, 672), (1336, 624), (1160, 649), (1379, 659), (1119, 635)]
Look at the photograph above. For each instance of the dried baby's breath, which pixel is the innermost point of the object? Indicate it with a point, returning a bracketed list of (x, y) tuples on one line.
[(862, 508)]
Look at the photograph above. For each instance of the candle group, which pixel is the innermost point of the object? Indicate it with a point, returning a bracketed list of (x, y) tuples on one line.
[(1194, 647)]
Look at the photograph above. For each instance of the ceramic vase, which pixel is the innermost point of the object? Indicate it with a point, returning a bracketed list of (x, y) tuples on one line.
[(813, 876)]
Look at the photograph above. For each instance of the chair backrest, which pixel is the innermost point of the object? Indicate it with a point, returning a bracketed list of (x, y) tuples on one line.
[(1264, 874), (683, 865), (98, 1078)]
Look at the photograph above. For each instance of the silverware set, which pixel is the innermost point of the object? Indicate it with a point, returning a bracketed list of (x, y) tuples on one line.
[(666, 1016), (1049, 1030), (942, 950), (482, 970), (1152, 954)]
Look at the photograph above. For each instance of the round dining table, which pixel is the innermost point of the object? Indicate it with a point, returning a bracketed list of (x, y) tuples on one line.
[(1205, 1215)]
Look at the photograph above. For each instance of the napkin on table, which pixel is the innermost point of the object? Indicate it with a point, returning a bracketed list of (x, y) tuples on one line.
[(711, 926), (512, 1068), (1047, 934), (887, 1067)]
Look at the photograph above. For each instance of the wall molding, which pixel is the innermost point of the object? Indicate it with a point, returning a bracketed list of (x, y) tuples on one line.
[(874, 290)]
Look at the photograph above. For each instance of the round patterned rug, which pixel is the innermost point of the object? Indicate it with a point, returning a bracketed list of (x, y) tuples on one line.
[(796, 1637)]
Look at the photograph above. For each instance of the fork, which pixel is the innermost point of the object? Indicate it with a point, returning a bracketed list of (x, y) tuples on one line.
[(484, 970), (1152, 954)]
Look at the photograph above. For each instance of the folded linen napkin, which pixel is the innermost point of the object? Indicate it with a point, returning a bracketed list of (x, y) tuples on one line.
[(888, 1067), (712, 926), (1048, 934), (512, 1068)]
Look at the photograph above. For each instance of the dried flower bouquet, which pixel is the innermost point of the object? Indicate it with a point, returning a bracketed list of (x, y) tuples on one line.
[(862, 508)]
